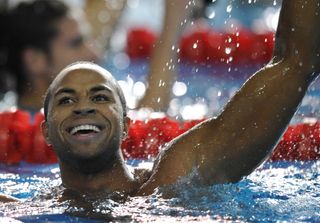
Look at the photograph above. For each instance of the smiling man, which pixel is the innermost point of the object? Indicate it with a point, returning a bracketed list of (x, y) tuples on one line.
[(85, 122), (85, 118)]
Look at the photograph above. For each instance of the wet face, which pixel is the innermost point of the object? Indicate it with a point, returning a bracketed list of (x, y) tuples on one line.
[(70, 45), (85, 117)]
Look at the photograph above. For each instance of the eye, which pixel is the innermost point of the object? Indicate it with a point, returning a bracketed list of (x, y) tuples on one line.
[(100, 98), (65, 100)]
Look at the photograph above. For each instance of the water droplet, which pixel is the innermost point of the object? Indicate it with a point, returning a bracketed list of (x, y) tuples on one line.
[(229, 8), (195, 45), (212, 15), (179, 88)]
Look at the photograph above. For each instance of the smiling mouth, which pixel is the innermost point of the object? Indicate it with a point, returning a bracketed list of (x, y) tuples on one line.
[(84, 129)]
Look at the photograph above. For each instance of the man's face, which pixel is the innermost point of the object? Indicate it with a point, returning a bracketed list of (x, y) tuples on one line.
[(85, 116), (70, 45)]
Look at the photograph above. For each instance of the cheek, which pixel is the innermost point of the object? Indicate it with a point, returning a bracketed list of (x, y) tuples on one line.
[(53, 126), (117, 112), (55, 119)]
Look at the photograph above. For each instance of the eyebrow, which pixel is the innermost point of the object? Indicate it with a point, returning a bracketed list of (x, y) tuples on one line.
[(65, 90), (92, 90), (100, 88)]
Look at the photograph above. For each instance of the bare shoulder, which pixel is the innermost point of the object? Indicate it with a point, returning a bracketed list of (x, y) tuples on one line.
[(176, 160)]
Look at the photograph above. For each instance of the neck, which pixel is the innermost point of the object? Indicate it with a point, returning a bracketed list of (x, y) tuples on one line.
[(115, 177)]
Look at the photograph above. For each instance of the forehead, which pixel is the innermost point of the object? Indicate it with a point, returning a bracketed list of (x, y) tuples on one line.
[(83, 78)]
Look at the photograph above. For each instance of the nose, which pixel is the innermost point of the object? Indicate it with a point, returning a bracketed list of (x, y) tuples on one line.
[(84, 111)]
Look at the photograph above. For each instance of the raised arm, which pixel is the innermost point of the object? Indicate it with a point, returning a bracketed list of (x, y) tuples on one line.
[(163, 62), (231, 146), (103, 17)]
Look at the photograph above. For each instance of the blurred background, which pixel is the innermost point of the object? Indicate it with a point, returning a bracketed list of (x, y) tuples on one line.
[(226, 42)]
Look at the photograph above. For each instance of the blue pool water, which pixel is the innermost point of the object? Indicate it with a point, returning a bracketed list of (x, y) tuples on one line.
[(276, 192)]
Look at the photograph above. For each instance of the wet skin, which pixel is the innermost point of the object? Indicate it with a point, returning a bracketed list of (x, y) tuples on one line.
[(85, 126), (219, 150), (91, 104)]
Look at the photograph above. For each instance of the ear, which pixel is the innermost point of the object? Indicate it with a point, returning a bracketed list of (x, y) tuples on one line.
[(45, 132), (126, 125), (35, 62)]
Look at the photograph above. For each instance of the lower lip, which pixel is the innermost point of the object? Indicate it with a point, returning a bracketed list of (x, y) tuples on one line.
[(86, 137)]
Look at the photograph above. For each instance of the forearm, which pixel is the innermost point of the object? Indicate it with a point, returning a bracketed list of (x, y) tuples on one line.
[(256, 117), (163, 61), (254, 120), (297, 34), (103, 18)]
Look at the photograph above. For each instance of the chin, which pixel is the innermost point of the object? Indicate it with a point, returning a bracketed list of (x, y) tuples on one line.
[(89, 160)]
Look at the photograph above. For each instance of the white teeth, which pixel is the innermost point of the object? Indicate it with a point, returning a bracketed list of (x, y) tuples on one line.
[(94, 128)]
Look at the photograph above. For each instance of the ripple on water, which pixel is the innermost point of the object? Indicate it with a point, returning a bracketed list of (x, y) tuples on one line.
[(277, 192)]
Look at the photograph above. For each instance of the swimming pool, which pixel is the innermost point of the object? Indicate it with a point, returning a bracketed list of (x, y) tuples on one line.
[(276, 192)]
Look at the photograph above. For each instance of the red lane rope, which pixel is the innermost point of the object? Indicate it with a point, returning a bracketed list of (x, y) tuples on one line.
[(207, 46), (21, 140)]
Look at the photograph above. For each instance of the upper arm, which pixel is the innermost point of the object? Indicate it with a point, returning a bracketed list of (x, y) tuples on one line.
[(226, 148), (204, 149)]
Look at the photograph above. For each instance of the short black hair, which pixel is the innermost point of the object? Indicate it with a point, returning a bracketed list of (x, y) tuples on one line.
[(48, 95), (30, 24)]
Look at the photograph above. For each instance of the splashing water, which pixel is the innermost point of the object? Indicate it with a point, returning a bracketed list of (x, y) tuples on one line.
[(284, 191)]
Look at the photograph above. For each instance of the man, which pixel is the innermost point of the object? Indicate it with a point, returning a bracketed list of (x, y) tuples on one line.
[(54, 35), (45, 36), (86, 118)]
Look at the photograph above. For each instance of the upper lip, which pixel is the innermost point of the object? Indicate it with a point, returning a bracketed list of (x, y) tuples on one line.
[(84, 124), (75, 129)]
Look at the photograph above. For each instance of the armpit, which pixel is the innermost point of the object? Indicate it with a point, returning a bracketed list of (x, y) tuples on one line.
[(142, 175)]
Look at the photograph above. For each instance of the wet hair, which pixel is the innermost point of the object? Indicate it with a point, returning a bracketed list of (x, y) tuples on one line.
[(48, 95), (30, 25)]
